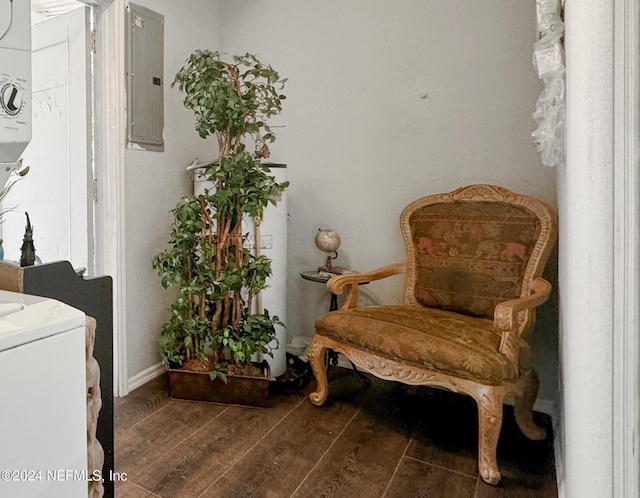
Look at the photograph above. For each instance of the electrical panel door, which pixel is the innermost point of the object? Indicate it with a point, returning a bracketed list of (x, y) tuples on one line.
[(145, 78)]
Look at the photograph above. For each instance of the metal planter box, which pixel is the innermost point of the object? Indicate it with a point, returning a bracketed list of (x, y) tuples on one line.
[(239, 390)]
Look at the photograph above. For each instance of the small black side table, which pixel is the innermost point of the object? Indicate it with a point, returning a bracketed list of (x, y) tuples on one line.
[(314, 276)]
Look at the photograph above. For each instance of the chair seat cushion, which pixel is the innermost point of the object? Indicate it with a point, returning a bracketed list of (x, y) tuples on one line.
[(435, 339)]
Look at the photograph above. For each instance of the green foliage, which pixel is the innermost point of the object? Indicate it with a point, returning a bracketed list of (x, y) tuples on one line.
[(213, 319), (254, 333), (18, 172), (231, 98)]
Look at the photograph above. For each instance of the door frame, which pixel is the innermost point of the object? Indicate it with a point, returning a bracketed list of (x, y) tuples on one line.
[(599, 200), (109, 100), (626, 249)]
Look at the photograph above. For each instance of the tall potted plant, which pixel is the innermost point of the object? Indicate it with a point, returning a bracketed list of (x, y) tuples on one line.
[(213, 326)]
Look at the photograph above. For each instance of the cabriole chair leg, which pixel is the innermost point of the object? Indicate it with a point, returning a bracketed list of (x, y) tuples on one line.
[(523, 407), (317, 360), (489, 425)]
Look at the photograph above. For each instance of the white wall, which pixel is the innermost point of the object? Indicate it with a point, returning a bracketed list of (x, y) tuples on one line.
[(155, 181), (361, 143)]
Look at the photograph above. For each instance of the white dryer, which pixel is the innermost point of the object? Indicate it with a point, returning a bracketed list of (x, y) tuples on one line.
[(43, 414)]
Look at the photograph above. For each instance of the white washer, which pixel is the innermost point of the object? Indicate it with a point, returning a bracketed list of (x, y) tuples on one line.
[(43, 419)]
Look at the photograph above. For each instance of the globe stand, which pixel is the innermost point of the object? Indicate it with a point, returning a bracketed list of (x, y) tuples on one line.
[(328, 266)]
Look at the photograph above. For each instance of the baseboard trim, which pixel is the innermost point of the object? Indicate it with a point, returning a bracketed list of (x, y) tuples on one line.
[(558, 454), (145, 376)]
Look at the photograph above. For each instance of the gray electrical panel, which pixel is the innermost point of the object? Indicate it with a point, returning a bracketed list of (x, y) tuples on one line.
[(145, 78)]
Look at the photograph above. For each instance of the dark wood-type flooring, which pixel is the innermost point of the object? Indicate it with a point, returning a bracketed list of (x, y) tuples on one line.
[(387, 440)]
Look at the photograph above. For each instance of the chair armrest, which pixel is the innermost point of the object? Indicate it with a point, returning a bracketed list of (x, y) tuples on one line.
[(336, 284), (506, 312), (504, 315)]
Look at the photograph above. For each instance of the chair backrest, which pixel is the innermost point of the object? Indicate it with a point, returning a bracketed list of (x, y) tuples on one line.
[(470, 249)]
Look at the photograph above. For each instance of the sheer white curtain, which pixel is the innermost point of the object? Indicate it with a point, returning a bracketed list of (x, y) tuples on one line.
[(548, 59)]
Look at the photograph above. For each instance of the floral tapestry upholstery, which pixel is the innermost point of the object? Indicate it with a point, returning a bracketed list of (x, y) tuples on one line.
[(471, 255), (461, 345)]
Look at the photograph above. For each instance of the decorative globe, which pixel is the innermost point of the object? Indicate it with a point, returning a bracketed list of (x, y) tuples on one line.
[(327, 240)]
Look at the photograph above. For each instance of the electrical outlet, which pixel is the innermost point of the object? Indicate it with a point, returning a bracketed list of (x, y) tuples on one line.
[(266, 242)]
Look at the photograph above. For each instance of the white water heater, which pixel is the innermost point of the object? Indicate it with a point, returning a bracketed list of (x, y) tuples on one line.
[(273, 244), (15, 83)]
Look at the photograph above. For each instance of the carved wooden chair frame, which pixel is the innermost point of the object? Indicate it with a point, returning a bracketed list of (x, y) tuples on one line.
[(514, 318)]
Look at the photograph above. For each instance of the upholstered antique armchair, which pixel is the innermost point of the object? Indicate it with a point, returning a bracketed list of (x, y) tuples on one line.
[(474, 260)]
